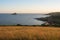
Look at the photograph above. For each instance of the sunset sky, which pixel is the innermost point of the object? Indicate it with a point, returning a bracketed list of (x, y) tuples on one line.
[(29, 6)]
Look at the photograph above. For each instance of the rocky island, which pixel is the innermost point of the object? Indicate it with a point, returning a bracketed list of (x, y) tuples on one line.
[(14, 13)]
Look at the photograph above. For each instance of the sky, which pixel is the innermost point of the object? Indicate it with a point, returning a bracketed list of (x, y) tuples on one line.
[(29, 6)]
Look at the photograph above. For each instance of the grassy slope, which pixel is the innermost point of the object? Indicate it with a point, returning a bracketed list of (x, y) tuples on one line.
[(54, 18), (29, 33)]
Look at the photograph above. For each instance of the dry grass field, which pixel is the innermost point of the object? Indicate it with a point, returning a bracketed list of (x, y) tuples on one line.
[(29, 33)]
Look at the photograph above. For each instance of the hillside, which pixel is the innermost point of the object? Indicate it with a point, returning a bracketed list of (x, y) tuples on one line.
[(53, 19), (54, 13)]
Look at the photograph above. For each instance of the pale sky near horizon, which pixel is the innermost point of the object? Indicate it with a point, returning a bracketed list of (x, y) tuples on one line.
[(29, 6)]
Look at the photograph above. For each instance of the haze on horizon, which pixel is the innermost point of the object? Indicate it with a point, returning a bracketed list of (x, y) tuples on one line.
[(29, 6)]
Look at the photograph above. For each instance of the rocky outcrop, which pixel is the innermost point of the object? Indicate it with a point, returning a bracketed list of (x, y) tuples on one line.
[(14, 14)]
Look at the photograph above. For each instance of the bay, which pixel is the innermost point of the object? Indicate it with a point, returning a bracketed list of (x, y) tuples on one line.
[(23, 19)]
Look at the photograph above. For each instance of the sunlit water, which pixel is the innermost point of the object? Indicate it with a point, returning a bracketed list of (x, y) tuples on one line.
[(23, 19)]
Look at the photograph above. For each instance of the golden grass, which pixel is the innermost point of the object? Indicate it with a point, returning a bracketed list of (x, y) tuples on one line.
[(29, 33)]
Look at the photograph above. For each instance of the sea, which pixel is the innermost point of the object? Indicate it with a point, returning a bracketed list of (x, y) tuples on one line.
[(23, 19)]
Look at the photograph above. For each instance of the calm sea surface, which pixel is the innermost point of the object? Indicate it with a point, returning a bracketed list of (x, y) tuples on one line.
[(23, 19)]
